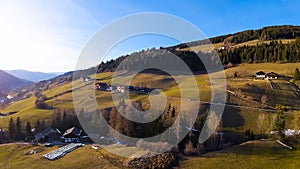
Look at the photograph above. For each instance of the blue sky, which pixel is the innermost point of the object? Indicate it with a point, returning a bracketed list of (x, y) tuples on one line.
[(49, 35)]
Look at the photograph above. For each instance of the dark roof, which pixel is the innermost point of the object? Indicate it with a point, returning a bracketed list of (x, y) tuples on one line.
[(260, 73), (75, 131), (46, 132), (272, 74), (101, 84)]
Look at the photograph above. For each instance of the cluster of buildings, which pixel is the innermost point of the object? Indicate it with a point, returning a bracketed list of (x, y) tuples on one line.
[(4, 97), (71, 139), (288, 132), (266, 76), (51, 136), (121, 88), (117, 88), (72, 135)]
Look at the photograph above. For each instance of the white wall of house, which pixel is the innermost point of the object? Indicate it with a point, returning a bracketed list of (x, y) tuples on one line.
[(260, 76)]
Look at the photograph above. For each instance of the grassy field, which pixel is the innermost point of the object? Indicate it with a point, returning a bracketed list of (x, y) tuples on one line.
[(284, 69), (26, 111), (250, 89), (236, 119), (209, 47), (257, 154), (204, 48), (13, 157), (254, 154)]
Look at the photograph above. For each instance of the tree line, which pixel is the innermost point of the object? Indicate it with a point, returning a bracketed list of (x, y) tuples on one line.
[(272, 52), (275, 51), (17, 130), (113, 117), (266, 33)]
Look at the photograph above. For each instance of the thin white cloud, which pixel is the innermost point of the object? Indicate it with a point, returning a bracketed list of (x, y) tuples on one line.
[(43, 35)]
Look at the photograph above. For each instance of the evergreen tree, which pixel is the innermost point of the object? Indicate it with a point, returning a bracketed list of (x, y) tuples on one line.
[(12, 129), (43, 125), (37, 126), (98, 124), (65, 121), (19, 134), (28, 129), (82, 118)]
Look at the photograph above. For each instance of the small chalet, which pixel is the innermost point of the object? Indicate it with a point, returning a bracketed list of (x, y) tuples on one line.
[(72, 135), (101, 86), (260, 74), (47, 135), (271, 75)]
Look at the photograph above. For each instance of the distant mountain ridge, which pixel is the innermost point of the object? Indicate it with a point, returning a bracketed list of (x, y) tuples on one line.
[(32, 76), (8, 81)]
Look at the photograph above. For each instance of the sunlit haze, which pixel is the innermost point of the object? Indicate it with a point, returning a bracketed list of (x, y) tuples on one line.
[(49, 35)]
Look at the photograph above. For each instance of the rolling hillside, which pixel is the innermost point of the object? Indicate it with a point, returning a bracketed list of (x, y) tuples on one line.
[(13, 156), (242, 109), (60, 96), (255, 154), (285, 33), (250, 46), (59, 92)]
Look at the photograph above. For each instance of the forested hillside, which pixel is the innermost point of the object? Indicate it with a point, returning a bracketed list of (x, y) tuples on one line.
[(269, 48), (275, 51), (264, 34)]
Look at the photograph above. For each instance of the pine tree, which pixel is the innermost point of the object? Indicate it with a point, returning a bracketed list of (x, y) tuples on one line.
[(19, 134), (82, 118), (65, 122), (38, 126), (43, 125), (28, 129), (12, 129), (98, 124)]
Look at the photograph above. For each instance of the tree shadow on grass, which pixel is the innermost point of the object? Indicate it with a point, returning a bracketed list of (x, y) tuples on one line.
[(232, 118)]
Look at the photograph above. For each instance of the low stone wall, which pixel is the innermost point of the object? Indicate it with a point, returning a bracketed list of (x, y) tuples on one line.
[(165, 160)]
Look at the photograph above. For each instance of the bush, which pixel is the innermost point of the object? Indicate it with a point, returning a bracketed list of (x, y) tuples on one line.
[(42, 105)]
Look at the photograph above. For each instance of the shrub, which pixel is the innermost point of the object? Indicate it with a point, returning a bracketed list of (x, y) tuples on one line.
[(42, 105)]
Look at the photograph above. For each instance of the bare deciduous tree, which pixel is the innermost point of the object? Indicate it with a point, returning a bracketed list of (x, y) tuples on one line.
[(296, 122), (264, 99), (261, 122), (271, 122)]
